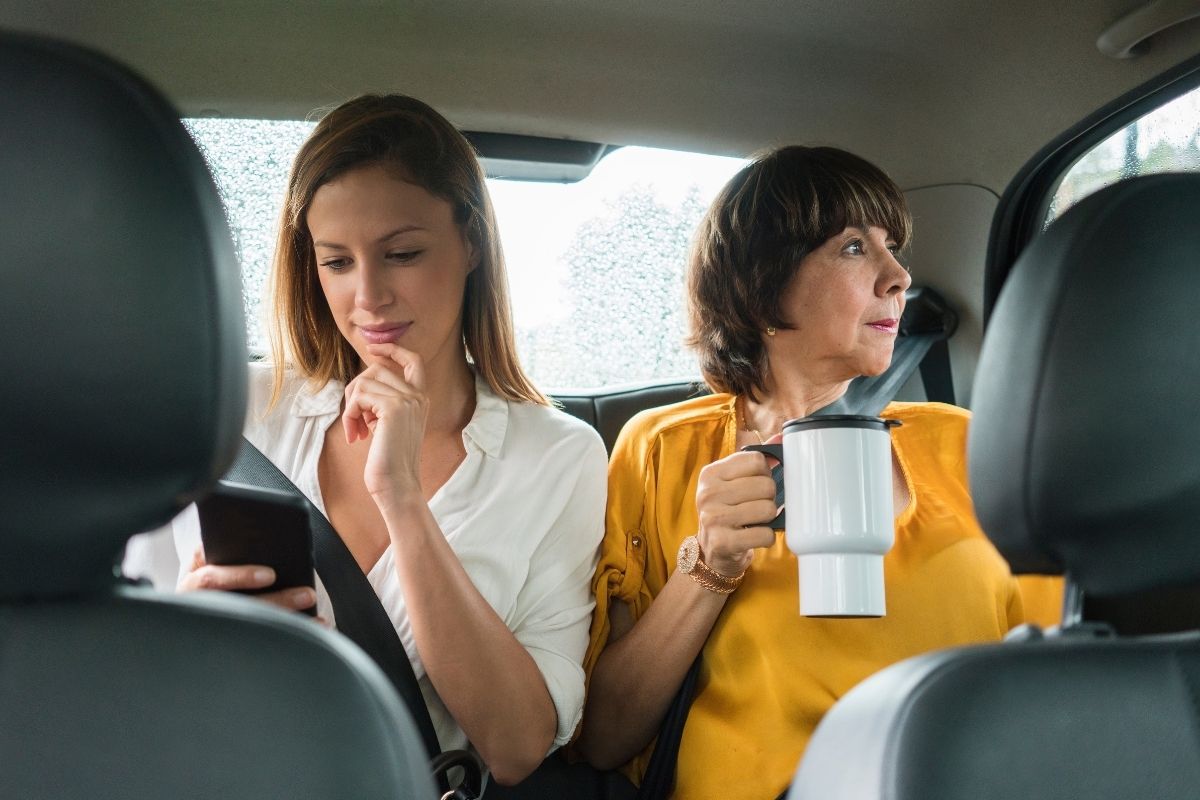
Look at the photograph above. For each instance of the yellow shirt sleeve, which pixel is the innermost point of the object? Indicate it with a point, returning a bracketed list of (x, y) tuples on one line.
[(619, 575)]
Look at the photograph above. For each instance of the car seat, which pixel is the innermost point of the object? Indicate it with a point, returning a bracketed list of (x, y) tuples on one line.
[(124, 391)]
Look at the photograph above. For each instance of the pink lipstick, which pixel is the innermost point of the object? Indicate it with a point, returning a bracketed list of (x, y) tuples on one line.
[(885, 325), (387, 333)]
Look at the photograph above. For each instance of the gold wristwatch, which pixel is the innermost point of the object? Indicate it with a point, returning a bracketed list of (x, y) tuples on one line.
[(691, 562)]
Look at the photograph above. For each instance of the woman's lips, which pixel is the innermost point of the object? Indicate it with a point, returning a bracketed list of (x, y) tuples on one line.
[(885, 325), (383, 334)]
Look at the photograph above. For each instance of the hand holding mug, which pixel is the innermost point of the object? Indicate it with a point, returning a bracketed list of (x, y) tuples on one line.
[(733, 496)]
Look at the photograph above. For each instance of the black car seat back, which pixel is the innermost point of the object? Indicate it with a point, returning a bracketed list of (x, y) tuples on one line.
[(121, 314), (124, 393)]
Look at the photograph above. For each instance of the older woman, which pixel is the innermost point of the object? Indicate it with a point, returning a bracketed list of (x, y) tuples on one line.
[(795, 288)]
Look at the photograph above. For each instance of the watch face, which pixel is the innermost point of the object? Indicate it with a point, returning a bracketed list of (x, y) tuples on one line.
[(689, 554)]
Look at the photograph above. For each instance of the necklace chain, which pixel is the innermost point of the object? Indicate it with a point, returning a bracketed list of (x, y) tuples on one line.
[(746, 425)]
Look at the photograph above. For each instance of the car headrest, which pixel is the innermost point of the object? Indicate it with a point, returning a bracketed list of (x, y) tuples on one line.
[(1085, 445), (123, 351)]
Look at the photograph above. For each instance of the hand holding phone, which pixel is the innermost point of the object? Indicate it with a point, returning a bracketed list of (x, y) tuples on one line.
[(245, 526)]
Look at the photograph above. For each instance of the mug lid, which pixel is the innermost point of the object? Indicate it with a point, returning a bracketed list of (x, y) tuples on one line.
[(839, 421)]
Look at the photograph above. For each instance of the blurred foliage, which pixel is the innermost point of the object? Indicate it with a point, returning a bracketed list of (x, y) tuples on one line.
[(625, 283)]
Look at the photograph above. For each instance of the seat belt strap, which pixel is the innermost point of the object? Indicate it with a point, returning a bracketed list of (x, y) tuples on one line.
[(359, 614), (659, 780), (935, 373), (928, 323), (870, 395)]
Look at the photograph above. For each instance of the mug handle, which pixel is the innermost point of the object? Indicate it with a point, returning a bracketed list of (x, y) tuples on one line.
[(776, 452)]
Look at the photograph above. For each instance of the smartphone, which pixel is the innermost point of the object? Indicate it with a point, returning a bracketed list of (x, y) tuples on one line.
[(241, 524)]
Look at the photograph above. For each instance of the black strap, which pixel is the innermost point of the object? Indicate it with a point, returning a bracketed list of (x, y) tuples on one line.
[(659, 780), (935, 373), (927, 316), (360, 616), (927, 324), (925, 330), (869, 395)]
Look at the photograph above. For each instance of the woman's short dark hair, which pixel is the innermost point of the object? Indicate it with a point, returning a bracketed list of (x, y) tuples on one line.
[(767, 218)]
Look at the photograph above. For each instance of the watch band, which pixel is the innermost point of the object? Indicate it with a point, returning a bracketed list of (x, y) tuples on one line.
[(691, 562), (714, 581)]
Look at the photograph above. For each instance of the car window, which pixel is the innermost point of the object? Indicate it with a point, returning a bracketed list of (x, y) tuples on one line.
[(1165, 140), (596, 267)]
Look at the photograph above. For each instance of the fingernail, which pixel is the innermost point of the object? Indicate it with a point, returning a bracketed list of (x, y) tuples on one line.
[(264, 576), (303, 598)]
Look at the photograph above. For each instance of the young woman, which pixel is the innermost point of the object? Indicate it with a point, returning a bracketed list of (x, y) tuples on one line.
[(396, 403)]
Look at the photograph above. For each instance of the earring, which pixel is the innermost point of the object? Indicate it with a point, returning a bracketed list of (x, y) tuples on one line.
[(770, 330)]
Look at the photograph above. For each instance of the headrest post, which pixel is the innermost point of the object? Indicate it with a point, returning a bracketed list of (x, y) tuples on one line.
[(1072, 612)]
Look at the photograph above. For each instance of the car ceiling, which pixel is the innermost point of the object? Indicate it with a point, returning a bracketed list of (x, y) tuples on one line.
[(937, 91)]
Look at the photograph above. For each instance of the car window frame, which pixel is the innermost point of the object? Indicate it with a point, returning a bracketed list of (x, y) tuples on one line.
[(1021, 212)]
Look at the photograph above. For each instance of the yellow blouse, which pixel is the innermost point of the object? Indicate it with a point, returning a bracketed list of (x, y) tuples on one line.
[(769, 674)]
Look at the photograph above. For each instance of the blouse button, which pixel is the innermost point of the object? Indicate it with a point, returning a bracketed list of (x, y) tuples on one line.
[(636, 541)]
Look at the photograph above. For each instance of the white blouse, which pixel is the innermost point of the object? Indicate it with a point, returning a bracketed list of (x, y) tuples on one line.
[(524, 513)]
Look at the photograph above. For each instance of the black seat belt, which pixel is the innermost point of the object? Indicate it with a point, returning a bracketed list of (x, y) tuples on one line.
[(926, 325), (928, 322), (357, 611)]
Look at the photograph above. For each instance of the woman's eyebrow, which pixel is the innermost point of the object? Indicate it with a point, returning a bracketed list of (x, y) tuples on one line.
[(380, 240), (400, 230), (865, 230)]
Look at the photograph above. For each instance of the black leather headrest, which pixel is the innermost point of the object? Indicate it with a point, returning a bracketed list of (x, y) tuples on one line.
[(1085, 443), (123, 352)]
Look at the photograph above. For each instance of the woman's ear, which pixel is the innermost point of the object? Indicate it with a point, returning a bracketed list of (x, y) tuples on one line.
[(474, 252)]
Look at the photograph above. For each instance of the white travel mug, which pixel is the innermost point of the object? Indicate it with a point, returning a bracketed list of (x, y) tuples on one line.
[(837, 476)]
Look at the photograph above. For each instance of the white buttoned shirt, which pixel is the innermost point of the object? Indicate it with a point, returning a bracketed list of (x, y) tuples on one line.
[(524, 513)]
